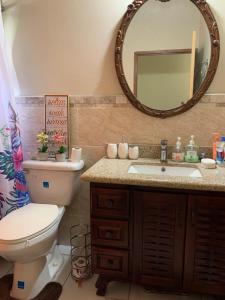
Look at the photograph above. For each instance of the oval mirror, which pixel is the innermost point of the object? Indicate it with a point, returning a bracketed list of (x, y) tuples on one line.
[(167, 52)]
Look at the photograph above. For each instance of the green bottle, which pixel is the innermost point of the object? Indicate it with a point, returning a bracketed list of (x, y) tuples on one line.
[(192, 151)]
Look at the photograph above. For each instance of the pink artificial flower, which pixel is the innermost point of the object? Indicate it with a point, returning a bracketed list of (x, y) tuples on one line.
[(58, 138)]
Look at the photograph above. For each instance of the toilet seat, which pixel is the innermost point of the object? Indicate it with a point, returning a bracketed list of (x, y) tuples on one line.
[(22, 225)]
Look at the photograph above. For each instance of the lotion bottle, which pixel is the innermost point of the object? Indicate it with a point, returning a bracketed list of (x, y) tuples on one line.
[(192, 151), (216, 139), (178, 153)]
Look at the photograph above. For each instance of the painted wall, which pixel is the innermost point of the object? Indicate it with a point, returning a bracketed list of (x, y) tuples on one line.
[(68, 46), (64, 46)]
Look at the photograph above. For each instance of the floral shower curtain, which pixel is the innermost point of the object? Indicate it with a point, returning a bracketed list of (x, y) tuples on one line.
[(13, 189)]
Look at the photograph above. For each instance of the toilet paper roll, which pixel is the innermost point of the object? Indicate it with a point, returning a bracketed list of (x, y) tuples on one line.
[(76, 154)]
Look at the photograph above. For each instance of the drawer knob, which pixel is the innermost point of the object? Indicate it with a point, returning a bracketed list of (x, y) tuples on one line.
[(110, 262), (110, 203), (109, 234)]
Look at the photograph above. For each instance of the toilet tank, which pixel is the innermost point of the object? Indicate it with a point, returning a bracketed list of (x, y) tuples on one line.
[(51, 182)]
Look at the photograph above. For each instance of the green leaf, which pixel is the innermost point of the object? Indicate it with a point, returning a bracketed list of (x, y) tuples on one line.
[(62, 149), (7, 165), (43, 149)]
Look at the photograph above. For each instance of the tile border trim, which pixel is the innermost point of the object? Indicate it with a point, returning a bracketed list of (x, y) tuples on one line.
[(105, 101)]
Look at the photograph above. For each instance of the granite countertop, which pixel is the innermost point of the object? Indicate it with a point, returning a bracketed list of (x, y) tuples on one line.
[(115, 171)]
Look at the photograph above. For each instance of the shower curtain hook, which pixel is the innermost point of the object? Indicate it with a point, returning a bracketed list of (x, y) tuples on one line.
[(2, 6)]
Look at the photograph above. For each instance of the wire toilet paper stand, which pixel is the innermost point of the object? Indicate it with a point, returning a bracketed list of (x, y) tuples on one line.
[(80, 240)]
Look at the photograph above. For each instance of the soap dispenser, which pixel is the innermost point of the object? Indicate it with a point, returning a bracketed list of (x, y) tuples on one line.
[(178, 153), (192, 151)]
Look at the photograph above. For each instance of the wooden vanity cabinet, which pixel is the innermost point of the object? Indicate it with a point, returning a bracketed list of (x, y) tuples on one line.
[(159, 233), (204, 268), (110, 228), (164, 239)]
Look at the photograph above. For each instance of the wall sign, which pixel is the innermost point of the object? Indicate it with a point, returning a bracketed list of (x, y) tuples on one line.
[(56, 120)]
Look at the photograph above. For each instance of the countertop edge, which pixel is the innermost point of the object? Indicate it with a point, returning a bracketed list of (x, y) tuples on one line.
[(98, 173), (155, 183)]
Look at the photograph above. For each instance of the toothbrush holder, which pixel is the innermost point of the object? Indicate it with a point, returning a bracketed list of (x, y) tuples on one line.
[(111, 151), (134, 152)]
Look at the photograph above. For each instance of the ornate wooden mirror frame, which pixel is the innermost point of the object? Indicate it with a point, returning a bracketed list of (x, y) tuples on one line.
[(205, 10)]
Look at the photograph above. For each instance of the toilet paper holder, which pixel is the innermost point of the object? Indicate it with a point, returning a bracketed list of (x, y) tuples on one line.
[(80, 240)]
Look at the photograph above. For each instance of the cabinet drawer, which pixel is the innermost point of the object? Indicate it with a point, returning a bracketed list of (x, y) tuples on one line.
[(110, 202), (110, 233), (110, 262)]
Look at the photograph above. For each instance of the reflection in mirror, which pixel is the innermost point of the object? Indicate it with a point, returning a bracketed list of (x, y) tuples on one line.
[(166, 53)]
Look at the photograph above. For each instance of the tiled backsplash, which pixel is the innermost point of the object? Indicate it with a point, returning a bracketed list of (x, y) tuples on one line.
[(97, 120)]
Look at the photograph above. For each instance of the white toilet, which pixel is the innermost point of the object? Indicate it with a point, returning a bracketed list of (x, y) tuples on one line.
[(28, 236)]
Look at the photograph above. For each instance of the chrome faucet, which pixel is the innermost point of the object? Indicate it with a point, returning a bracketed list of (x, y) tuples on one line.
[(164, 151)]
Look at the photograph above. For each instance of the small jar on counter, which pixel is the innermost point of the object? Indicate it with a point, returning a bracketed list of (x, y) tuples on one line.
[(111, 151), (133, 152)]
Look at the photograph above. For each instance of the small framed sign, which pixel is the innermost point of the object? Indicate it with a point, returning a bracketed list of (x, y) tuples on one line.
[(57, 120)]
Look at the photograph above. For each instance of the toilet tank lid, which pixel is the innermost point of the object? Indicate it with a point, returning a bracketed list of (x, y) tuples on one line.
[(53, 165)]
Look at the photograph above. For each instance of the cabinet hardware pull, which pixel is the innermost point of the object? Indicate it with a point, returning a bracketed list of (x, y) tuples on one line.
[(110, 262), (181, 219), (110, 203), (109, 234), (193, 215)]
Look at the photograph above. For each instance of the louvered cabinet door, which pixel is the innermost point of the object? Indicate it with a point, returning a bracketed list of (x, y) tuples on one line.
[(205, 245), (159, 226)]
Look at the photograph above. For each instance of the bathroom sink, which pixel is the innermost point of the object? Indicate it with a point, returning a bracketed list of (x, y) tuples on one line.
[(163, 170)]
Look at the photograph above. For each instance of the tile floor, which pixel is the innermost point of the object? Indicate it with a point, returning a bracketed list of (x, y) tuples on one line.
[(116, 290)]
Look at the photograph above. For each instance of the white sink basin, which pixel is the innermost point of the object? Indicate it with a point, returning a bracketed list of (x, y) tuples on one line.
[(165, 170)]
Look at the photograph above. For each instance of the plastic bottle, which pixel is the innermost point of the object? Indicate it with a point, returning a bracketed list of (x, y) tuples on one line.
[(178, 153), (216, 139), (192, 151), (220, 151)]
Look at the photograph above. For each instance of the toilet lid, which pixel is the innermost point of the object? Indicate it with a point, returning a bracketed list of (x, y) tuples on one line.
[(27, 221)]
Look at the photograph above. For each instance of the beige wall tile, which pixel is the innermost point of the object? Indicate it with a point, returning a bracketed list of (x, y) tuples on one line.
[(66, 223), (92, 154), (73, 126), (97, 120), (98, 127), (32, 120)]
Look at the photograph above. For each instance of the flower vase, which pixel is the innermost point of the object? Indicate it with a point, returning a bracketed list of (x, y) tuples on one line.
[(60, 157), (42, 156)]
